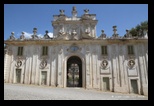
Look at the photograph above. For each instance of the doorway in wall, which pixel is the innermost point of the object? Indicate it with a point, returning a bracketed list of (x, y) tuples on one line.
[(74, 72), (134, 87), (43, 78), (18, 75), (106, 86)]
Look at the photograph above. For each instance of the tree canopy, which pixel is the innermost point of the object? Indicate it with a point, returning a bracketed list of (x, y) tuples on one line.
[(138, 30)]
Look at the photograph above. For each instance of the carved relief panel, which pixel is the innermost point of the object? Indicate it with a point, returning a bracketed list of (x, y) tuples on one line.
[(131, 68), (43, 63), (104, 67), (18, 63)]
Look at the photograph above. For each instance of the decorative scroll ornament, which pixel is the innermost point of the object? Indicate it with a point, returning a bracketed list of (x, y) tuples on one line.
[(43, 64), (104, 64), (131, 63), (18, 63)]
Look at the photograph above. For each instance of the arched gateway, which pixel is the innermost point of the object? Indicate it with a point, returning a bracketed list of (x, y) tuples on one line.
[(74, 72)]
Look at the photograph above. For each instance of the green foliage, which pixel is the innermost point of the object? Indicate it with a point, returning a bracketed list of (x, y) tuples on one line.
[(138, 30), (133, 31)]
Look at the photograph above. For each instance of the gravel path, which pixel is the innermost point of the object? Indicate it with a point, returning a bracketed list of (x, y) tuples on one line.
[(33, 92)]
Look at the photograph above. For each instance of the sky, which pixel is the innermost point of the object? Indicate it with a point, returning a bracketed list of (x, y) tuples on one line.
[(24, 17)]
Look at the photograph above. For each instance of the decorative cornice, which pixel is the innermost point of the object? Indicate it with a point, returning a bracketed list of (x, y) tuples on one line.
[(55, 41)]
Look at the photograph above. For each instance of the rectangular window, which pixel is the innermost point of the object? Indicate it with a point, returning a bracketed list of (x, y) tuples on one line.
[(130, 50), (104, 50), (20, 51), (45, 50)]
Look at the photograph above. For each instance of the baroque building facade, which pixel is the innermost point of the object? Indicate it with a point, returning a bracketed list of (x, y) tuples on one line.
[(76, 57)]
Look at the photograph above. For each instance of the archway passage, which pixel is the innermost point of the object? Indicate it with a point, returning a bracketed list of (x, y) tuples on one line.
[(74, 72)]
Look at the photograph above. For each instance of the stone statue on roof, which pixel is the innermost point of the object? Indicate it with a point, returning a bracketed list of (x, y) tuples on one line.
[(74, 8), (62, 12), (12, 37)]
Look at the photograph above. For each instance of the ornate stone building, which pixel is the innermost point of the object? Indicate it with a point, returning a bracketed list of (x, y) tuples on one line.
[(76, 57)]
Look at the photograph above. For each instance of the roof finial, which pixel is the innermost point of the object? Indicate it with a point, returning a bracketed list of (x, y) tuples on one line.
[(86, 11), (74, 12), (74, 8), (62, 12)]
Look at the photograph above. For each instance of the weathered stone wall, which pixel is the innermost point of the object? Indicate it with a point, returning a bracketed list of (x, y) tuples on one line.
[(118, 71)]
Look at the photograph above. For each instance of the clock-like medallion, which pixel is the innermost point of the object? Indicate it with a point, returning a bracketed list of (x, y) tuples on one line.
[(74, 48)]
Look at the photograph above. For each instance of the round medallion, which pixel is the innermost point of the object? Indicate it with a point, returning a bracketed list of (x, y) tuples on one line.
[(104, 63), (74, 48), (43, 64), (18, 64), (131, 63)]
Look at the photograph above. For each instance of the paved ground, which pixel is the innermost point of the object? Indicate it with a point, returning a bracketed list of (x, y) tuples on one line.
[(33, 92)]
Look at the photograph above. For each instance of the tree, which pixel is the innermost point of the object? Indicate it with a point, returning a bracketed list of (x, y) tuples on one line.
[(139, 29)]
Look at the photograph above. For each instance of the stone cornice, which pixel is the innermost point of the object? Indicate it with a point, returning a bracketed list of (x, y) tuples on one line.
[(82, 41), (74, 21)]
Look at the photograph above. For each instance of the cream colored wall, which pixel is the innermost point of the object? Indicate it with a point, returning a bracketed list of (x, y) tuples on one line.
[(90, 54)]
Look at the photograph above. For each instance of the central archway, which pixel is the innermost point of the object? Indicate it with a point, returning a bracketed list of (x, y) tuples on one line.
[(74, 72)]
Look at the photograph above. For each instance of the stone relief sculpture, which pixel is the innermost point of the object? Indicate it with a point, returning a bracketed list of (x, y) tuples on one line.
[(131, 63), (64, 36), (43, 64), (104, 64), (75, 35), (61, 33), (86, 34), (18, 63)]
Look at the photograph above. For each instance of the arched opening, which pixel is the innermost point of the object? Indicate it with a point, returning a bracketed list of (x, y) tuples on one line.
[(74, 72)]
